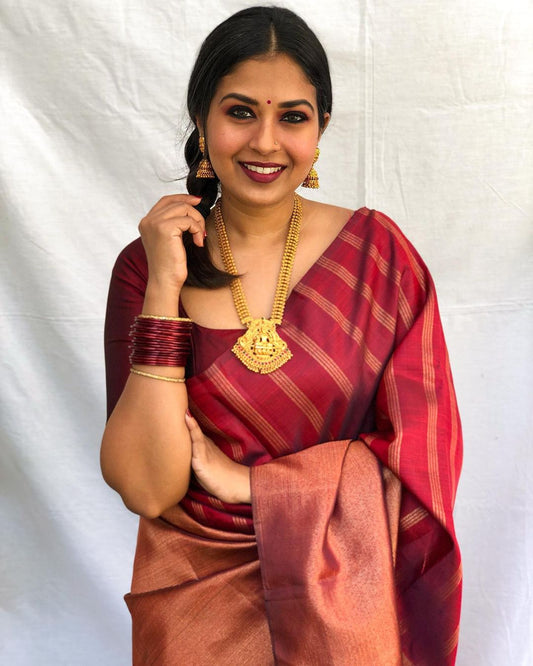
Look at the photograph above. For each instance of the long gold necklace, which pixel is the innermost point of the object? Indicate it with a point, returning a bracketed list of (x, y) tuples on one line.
[(261, 349)]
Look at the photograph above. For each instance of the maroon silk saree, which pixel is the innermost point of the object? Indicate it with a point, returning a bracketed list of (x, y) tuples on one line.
[(347, 554)]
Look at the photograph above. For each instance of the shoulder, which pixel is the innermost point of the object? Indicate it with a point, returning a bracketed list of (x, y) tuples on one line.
[(131, 262), (379, 258), (321, 226), (129, 275), (382, 240), (325, 216), (364, 237), (369, 225)]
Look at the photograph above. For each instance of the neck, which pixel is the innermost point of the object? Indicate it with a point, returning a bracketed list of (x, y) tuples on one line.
[(247, 223)]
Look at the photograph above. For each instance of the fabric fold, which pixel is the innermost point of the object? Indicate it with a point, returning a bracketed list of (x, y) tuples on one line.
[(329, 588), (191, 582)]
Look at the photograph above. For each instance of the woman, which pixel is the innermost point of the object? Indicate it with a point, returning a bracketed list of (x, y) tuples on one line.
[(311, 397)]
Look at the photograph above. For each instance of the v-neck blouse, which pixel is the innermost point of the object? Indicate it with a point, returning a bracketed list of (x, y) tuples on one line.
[(210, 343)]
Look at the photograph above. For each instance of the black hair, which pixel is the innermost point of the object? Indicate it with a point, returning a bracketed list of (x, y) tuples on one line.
[(250, 33)]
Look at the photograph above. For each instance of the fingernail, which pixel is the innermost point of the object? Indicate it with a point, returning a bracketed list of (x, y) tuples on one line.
[(188, 412), (205, 234)]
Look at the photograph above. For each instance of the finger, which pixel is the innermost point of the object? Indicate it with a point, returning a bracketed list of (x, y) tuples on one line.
[(199, 236), (196, 222), (190, 199), (186, 223), (178, 209), (181, 211), (174, 226), (192, 424)]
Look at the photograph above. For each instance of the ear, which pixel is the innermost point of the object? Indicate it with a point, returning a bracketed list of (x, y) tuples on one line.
[(327, 118)]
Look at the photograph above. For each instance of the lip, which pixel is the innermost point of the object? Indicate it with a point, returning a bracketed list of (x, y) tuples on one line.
[(259, 177)]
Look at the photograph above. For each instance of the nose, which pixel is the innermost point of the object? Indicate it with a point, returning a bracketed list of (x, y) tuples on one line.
[(263, 140)]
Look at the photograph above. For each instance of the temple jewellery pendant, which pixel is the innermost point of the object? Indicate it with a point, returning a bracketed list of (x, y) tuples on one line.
[(261, 349)]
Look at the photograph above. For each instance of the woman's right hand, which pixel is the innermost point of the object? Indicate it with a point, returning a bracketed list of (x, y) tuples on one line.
[(161, 232)]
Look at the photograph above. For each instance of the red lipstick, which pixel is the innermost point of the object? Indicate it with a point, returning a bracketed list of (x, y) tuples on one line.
[(262, 172)]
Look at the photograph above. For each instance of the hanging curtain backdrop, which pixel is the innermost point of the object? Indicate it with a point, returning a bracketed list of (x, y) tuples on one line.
[(431, 124)]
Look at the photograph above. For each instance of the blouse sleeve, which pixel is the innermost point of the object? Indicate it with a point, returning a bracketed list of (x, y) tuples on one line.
[(125, 301)]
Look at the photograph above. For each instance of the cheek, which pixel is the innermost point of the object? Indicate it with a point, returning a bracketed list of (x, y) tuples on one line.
[(301, 145), (303, 152), (223, 141)]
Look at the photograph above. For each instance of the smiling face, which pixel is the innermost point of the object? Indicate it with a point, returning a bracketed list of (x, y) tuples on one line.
[(263, 129)]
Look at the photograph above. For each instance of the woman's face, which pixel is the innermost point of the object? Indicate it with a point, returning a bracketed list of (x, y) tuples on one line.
[(263, 129)]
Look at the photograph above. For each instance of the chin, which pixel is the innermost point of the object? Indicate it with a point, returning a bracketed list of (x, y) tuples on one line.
[(261, 197), (260, 194)]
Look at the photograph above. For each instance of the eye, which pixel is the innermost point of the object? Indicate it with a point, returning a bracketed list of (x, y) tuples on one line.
[(294, 117), (240, 112)]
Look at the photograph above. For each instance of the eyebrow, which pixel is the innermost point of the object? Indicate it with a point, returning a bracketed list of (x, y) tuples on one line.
[(253, 102)]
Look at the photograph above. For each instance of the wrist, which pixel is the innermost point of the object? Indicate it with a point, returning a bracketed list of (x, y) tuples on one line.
[(245, 494), (161, 298), (161, 341)]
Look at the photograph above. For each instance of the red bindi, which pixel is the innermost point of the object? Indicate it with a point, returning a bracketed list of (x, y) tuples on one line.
[(268, 101)]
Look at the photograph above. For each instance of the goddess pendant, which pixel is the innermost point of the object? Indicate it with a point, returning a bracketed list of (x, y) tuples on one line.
[(261, 349)]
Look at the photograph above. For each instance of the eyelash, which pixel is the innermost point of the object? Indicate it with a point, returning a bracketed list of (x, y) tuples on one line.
[(301, 117), (240, 112), (244, 113)]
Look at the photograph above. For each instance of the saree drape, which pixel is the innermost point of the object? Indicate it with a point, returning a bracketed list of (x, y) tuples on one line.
[(347, 554)]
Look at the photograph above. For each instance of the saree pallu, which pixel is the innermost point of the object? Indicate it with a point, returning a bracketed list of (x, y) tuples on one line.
[(324, 595), (348, 553)]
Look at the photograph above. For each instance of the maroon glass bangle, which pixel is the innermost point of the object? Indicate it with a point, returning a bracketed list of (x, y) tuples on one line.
[(160, 341)]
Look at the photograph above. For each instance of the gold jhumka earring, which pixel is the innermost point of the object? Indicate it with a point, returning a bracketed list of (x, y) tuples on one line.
[(311, 180), (205, 169)]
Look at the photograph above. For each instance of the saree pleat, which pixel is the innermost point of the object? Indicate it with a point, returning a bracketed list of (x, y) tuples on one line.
[(197, 596), (355, 449)]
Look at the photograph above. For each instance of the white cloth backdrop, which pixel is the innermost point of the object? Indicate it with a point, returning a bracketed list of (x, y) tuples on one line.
[(431, 124)]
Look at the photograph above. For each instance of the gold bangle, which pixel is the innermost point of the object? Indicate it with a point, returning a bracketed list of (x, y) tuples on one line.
[(174, 380), (162, 318)]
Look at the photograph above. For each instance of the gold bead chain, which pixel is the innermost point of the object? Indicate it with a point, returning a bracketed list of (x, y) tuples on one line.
[(261, 349)]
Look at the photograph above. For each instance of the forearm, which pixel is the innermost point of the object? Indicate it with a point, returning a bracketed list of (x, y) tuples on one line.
[(146, 451)]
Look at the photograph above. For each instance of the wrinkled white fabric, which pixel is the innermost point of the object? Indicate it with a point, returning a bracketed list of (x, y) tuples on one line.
[(431, 124)]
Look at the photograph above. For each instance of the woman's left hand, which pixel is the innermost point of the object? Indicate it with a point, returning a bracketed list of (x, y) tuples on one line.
[(216, 473)]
